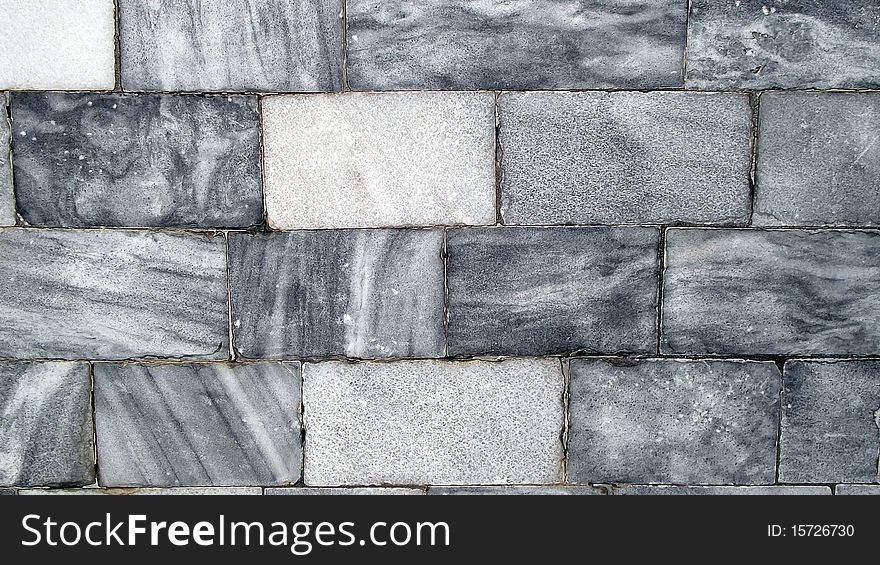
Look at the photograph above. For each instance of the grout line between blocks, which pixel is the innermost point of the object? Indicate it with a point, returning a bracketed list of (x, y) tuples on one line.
[(499, 155), (117, 48), (684, 59), (755, 103), (661, 273)]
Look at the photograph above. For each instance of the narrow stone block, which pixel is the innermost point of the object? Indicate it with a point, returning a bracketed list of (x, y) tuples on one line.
[(433, 422), (673, 421), (518, 490), (178, 491), (357, 491), (860, 490), (7, 200), (728, 490), (357, 293)]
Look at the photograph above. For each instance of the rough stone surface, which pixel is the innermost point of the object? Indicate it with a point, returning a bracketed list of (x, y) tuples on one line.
[(818, 159), (534, 291), (357, 293), (433, 422), (517, 490), (7, 200), (45, 424), (191, 491), (673, 421), (857, 489), (722, 490), (379, 159), (531, 44), (830, 422), (790, 292), (112, 294), (198, 424), (7, 492), (625, 157), (218, 45), (755, 44), (358, 491), (57, 45), (139, 161)]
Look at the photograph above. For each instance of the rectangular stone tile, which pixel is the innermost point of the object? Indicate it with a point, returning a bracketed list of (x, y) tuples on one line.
[(7, 492), (188, 491), (46, 424), (217, 45), (818, 159), (779, 292), (755, 44), (57, 45), (673, 421), (102, 294), (353, 293), (857, 490), (357, 491), (138, 161), (379, 159), (830, 422), (784, 490), (433, 422), (536, 291), (517, 490), (625, 157), (532, 44), (214, 424), (7, 200)]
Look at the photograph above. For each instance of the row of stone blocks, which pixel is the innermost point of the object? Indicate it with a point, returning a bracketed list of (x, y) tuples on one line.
[(325, 45), (515, 421), (430, 158)]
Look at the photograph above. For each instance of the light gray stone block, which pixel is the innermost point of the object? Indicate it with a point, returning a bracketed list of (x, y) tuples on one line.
[(543, 490), (46, 434), (857, 490), (830, 422), (357, 491), (625, 157), (778, 292), (537, 291), (433, 422), (178, 491), (756, 44), (57, 45), (7, 200), (531, 44), (212, 424), (379, 159), (672, 421), (784, 490), (818, 159), (243, 45), (101, 294)]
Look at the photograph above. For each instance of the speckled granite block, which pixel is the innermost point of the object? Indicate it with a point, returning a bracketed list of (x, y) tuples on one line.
[(433, 422), (240, 45), (518, 491), (756, 44), (783, 490), (138, 161), (818, 159), (45, 424), (673, 421), (357, 491), (830, 422), (531, 44), (535, 291), (857, 490), (357, 293), (625, 158), (178, 491), (112, 294), (789, 292), (7, 200), (198, 424), (57, 45), (380, 159)]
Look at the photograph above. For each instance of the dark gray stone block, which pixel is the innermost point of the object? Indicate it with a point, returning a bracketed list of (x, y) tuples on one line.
[(673, 421), (531, 44), (536, 291), (354, 293), (818, 159), (625, 158), (46, 434), (754, 44), (539, 490), (780, 292), (137, 161), (7, 202), (198, 424), (102, 294), (830, 422), (346, 491), (859, 490), (218, 45), (784, 490)]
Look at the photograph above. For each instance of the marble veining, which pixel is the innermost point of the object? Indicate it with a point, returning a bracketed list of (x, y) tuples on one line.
[(45, 424), (353, 293), (137, 161), (101, 294), (673, 422), (198, 424), (231, 45), (778, 292), (7, 201), (537, 291), (524, 44), (759, 44)]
